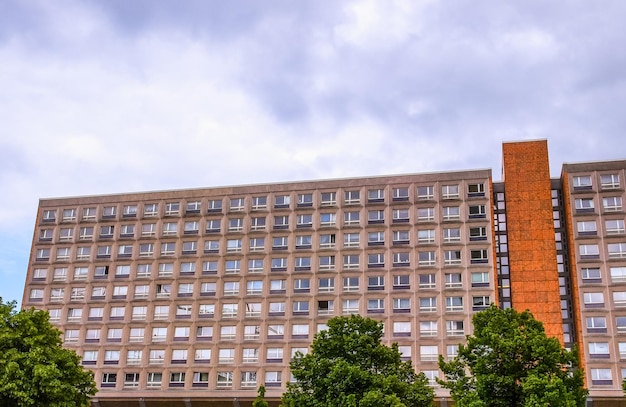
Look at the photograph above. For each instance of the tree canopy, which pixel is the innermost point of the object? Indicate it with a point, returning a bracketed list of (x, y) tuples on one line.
[(509, 361), (348, 366), (35, 370)]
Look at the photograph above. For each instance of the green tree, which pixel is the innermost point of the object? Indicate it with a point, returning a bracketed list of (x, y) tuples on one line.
[(34, 369), (260, 398), (349, 367), (509, 361)]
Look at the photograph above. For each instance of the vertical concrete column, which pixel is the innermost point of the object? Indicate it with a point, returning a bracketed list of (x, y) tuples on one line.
[(530, 225)]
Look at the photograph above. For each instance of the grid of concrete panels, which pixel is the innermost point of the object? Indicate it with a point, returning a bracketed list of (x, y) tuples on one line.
[(596, 197), (219, 291)]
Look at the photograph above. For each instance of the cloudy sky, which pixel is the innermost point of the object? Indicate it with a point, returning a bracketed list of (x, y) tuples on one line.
[(115, 95)]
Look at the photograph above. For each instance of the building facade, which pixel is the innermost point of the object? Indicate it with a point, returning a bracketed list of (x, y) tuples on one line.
[(197, 297)]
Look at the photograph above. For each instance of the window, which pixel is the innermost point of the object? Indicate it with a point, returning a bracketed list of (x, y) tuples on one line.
[(213, 226), (325, 307), (300, 308), (425, 214), (168, 249), (280, 243), (278, 286), (594, 300), (161, 312), (304, 221), (328, 219), (253, 309), (114, 335), (120, 292), (401, 305), (401, 237), (453, 280), (618, 274), (474, 190), (425, 192), (164, 290), (177, 379), (233, 245), (55, 314), (619, 299), (351, 261), (376, 217), (59, 274), (257, 223), (455, 328), (281, 201), (301, 285), (193, 207), (166, 269), (327, 241), (36, 294), (451, 213), (375, 283), (228, 332), (250, 355), (63, 253), (477, 212), (478, 256), (42, 255), (352, 197), (400, 216), (273, 379), (376, 260), (376, 239), (426, 258), (255, 265), (452, 257), (204, 333), (259, 202), (305, 200), (274, 355), (326, 262), (66, 234), (351, 240), (254, 287), (90, 357), (224, 379), (351, 218), (133, 357), (614, 226), (75, 314), (401, 259), (616, 250), (587, 228), (150, 210), (429, 353), (609, 181), (350, 307), (235, 224), (480, 279), (329, 199), (45, 235), (275, 331), (136, 334), (109, 212), (108, 380), (428, 304), (237, 204), (454, 304), (88, 214), (376, 195), (428, 328), (279, 264), (276, 308), (622, 353), (375, 306), (303, 242), (581, 182), (232, 266), (214, 206), (85, 233), (139, 313), (172, 208), (206, 310), (281, 222), (450, 191), (401, 329), (596, 324), (349, 284), (427, 281), (400, 194), (451, 235), (480, 302), (230, 310), (589, 251), (612, 204), (584, 204), (191, 228), (202, 356), (601, 377)]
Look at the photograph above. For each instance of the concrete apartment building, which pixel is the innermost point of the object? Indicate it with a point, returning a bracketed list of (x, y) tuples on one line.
[(196, 297)]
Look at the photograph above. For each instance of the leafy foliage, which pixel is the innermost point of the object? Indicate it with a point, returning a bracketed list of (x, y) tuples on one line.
[(509, 361), (34, 369), (260, 398), (349, 367)]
